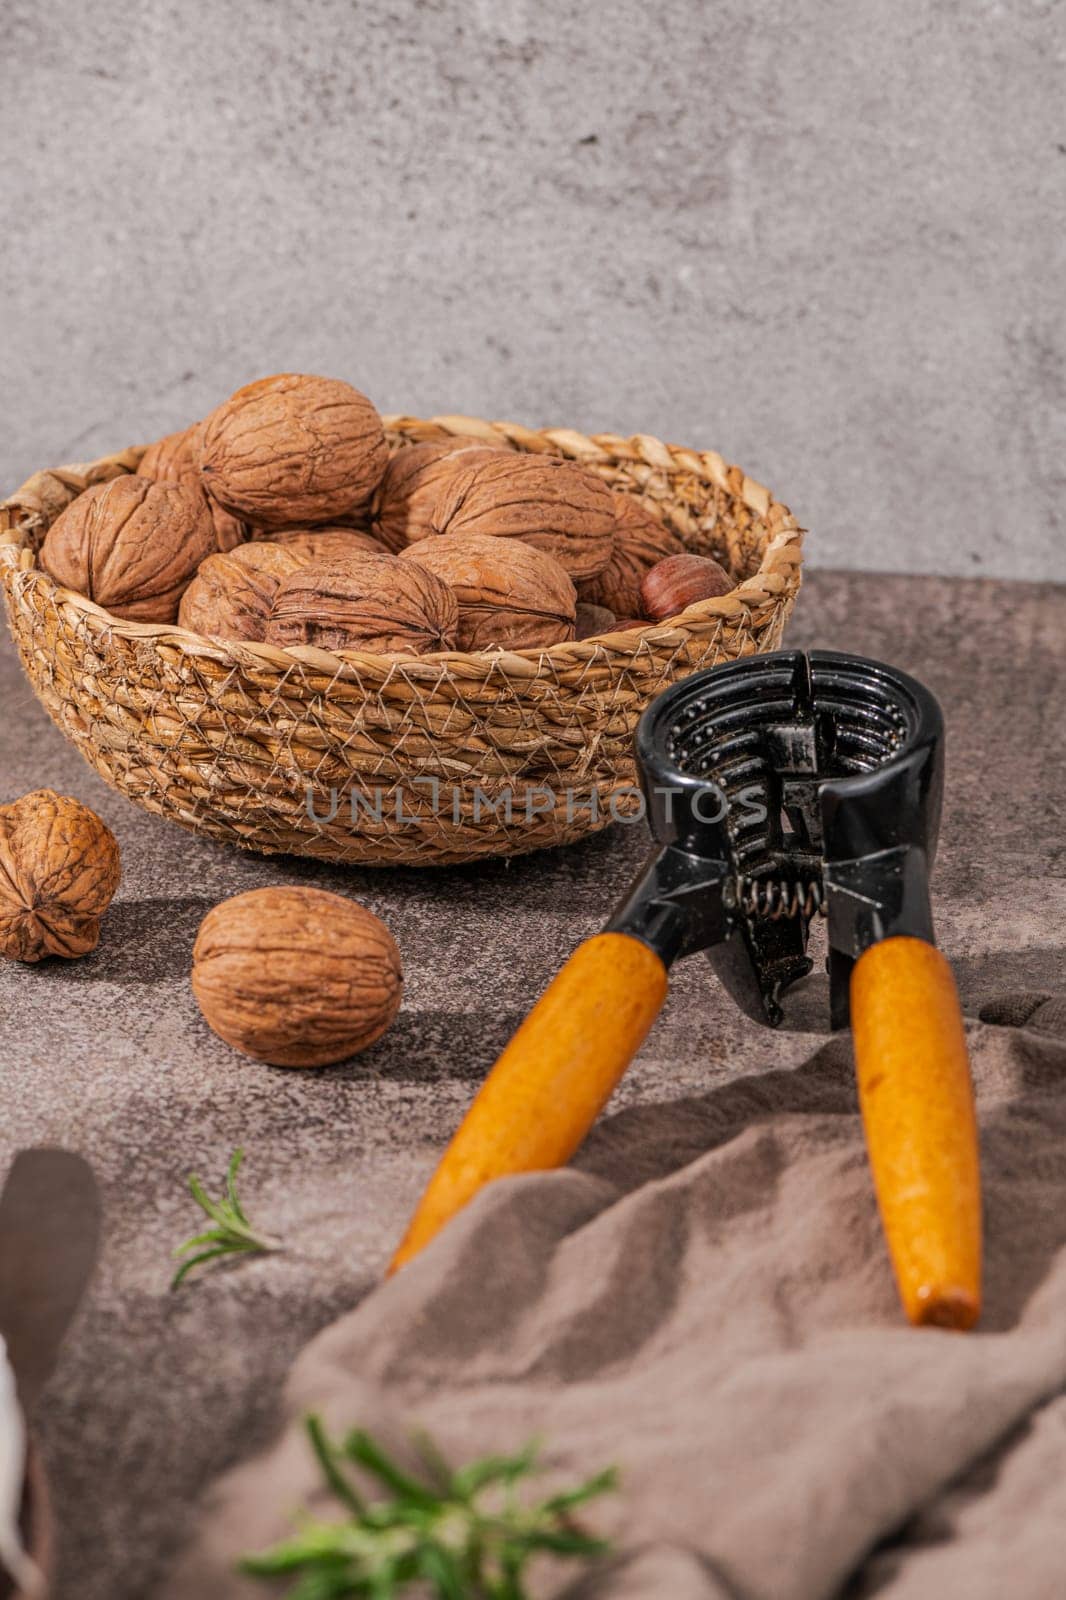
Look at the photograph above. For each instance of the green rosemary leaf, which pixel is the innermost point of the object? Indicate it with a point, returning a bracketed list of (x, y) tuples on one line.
[(433, 1538), (565, 1542), (211, 1236), (196, 1261), (288, 1557), (362, 1449), (438, 1468), (215, 1210), (319, 1585), (439, 1566), (603, 1483), (508, 1586), (232, 1233), (496, 1469), (327, 1460), (231, 1184)]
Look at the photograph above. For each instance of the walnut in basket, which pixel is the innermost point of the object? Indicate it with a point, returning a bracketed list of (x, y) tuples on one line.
[(509, 594), (405, 497), (365, 602), (131, 545), (334, 541), (59, 869), (640, 541), (552, 504), (292, 450), (171, 460), (231, 595), (296, 977)]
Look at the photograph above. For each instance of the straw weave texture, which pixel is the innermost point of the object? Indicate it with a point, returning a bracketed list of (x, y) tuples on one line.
[(450, 757)]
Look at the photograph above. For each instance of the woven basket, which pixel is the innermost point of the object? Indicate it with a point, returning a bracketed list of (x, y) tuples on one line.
[(387, 759)]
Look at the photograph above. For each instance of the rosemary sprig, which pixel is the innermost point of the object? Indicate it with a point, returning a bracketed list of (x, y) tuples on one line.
[(459, 1534), (232, 1233)]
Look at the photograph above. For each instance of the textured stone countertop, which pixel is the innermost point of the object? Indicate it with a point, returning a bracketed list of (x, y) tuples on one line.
[(109, 1056)]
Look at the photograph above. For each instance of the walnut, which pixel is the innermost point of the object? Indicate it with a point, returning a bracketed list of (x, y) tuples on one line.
[(405, 497), (552, 504), (292, 450), (296, 977), (681, 581), (231, 595), (364, 602), (130, 545), (320, 544), (508, 593), (59, 869), (640, 540), (593, 620), (171, 460)]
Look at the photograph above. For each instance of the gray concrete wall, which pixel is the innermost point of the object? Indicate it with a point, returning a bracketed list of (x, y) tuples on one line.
[(824, 238)]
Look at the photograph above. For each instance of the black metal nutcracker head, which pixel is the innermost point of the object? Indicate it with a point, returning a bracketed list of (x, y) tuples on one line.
[(777, 788)]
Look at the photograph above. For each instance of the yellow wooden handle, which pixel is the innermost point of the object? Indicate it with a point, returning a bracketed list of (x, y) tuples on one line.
[(921, 1130), (552, 1081)]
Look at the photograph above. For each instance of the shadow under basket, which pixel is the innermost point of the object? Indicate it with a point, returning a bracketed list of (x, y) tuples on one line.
[(383, 760)]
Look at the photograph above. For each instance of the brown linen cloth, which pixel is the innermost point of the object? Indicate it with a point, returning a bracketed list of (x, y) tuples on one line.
[(704, 1300)]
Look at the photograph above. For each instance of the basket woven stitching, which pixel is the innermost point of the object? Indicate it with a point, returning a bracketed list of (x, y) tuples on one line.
[(489, 721)]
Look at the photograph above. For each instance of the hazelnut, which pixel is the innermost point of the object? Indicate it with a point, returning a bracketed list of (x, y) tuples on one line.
[(552, 504), (296, 977), (171, 460), (59, 869), (231, 595), (592, 620), (682, 581), (322, 544), (365, 602), (292, 450), (508, 593), (131, 546), (640, 541), (405, 497)]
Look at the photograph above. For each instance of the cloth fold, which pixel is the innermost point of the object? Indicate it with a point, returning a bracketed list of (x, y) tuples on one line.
[(704, 1299)]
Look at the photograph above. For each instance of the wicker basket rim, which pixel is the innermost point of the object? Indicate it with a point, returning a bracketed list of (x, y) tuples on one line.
[(776, 575)]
